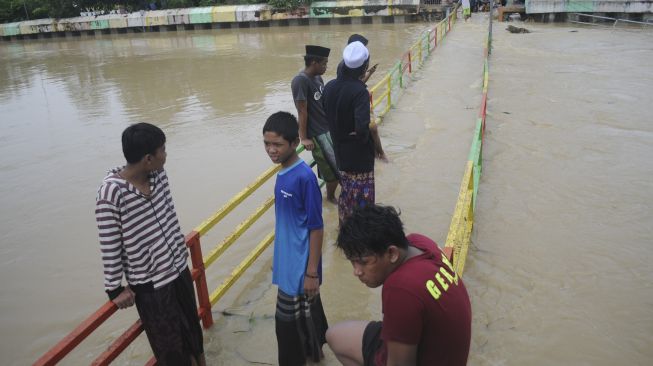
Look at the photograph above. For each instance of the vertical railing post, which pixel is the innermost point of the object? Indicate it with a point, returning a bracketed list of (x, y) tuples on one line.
[(193, 243), (410, 62), (435, 37), (401, 73), (389, 86)]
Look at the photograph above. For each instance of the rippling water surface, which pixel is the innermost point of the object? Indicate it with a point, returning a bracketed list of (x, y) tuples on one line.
[(63, 105), (559, 270)]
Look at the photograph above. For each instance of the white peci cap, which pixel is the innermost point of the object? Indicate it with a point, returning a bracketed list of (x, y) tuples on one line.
[(355, 55)]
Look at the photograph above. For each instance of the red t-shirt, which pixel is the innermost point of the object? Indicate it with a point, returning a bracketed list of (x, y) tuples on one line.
[(426, 303)]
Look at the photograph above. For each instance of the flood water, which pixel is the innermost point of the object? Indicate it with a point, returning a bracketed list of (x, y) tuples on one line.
[(63, 106), (558, 272)]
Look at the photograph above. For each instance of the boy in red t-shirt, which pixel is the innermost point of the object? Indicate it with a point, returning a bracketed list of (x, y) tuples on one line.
[(426, 309)]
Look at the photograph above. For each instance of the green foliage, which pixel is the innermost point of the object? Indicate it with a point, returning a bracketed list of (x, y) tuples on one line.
[(41, 12), (177, 4), (210, 2), (288, 4), (11, 11)]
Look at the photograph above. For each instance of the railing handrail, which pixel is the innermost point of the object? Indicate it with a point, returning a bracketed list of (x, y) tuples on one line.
[(423, 49), (616, 20), (462, 221)]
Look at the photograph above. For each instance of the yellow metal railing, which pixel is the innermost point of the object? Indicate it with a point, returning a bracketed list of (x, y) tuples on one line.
[(462, 222), (381, 93)]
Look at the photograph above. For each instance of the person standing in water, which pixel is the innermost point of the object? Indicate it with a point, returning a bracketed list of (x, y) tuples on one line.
[(300, 323), (307, 88)]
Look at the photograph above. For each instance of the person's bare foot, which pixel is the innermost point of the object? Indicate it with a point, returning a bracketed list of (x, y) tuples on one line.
[(332, 200)]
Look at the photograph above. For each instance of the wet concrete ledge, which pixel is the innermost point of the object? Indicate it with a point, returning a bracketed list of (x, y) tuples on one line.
[(225, 17)]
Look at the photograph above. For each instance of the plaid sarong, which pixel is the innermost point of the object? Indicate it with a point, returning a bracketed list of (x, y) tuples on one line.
[(301, 327), (357, 190)]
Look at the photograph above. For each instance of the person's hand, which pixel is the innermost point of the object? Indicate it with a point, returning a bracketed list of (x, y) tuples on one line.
[(308, 144), (311, 286), (125, 299), (381, 156), (372, 70)]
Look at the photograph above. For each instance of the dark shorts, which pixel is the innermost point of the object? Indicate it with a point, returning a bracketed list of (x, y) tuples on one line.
[(169, 317), (371, 342)]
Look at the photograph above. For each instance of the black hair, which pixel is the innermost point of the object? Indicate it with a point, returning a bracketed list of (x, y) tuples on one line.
[(357, 37), (283, 124), (141, 139), (308, 59), (358, 72), (371, 230)]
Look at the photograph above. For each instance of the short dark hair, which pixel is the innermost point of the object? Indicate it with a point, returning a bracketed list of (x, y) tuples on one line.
[(308, 59), (357, 37), (358, 72), (141, 139), (371, 230), (283, 124)]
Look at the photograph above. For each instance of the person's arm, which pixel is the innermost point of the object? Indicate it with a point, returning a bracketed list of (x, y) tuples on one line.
[(312, 279), (403, 322), (107, 216), (401, 354), (300, 88), (312, 197), (362, 115), (378, 148), (302, 113), (368, 73)]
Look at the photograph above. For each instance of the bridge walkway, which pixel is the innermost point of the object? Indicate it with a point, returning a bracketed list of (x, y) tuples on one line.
[(427, 137)]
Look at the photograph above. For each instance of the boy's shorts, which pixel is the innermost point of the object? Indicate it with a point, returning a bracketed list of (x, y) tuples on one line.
[(371, 342), (325, 157)]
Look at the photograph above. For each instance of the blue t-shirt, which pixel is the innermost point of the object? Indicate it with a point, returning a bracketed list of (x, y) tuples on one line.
[(298, 209)]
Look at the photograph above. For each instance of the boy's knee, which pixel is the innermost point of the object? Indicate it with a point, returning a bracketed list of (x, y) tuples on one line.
[(330, 336)]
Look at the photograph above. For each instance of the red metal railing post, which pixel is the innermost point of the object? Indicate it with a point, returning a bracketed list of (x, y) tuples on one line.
[(199, 276), (436, 36), (410, 62)]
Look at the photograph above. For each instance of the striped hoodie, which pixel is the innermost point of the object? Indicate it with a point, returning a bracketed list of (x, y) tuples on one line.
[(139, 235)]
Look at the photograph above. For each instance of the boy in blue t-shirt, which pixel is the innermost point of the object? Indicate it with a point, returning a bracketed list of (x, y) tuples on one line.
[(299, 319)]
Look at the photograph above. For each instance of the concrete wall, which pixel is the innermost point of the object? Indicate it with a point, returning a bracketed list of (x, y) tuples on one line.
[(204, 16), (588, 6)]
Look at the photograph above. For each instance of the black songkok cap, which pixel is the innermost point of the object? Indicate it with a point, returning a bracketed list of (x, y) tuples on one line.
[(317, 51), (357, 37)]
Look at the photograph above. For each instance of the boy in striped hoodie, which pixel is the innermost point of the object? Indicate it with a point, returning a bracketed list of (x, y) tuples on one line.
[(140, 238)]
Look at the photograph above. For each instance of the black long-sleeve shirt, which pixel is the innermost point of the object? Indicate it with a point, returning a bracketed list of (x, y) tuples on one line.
[(347, 107)]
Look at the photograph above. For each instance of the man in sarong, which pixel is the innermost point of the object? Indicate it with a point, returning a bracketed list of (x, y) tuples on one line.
[(347, 108), (140, 238)]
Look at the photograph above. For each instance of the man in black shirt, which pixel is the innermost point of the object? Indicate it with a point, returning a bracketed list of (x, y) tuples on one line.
[(347, 108)]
